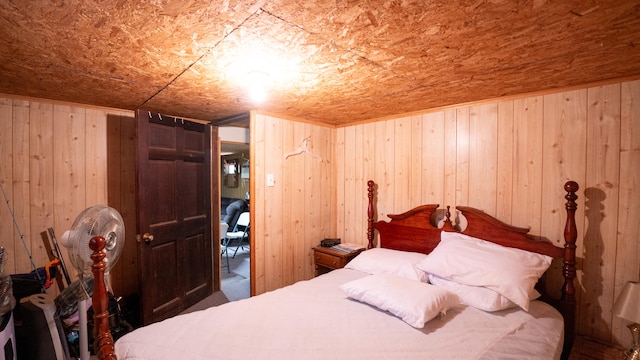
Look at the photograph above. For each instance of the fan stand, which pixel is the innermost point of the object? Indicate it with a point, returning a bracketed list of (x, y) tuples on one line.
[(84, 336), (103, 341)]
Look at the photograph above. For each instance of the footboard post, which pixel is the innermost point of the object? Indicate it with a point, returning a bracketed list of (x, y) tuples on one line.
[(568, 298), (103, 341), (370, 213)]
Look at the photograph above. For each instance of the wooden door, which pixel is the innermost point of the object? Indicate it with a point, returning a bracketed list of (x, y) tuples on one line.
[(174, 214)]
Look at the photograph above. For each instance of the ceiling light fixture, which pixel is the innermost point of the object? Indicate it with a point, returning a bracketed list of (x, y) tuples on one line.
[(259, 83), (260, 68)]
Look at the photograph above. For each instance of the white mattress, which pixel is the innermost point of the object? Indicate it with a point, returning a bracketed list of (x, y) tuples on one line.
[(314, 320)]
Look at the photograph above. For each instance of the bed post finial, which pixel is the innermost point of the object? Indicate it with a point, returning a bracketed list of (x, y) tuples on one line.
[(448, 223), (370, 212)]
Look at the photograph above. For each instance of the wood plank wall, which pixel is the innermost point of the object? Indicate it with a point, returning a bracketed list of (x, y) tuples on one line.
[(53, 165), (291, 217), (511, 159)]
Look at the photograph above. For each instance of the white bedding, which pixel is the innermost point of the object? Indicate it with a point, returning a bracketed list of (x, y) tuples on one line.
[(315, 320)]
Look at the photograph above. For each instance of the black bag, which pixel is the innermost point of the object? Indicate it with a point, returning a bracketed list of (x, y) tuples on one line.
[(328, 242), (25, 285)]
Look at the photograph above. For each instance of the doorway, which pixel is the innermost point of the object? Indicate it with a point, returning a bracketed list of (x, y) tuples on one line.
[(235, 199)]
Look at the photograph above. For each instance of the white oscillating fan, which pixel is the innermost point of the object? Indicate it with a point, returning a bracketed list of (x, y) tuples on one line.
[(98, 220)]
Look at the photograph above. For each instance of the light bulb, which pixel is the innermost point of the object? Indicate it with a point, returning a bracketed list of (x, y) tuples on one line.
[(259, 82), (257, 94)]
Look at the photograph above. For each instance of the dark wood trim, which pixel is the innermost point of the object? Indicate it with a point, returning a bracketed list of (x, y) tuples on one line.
[(240, 120)]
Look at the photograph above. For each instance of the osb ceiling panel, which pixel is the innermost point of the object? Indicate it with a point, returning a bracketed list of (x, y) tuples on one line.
[(332, 78), (110, 53), (328, 61)]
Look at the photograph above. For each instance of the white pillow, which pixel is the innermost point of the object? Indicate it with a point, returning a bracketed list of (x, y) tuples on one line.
[(513, 273), (412, 301), (477, 296), (388, 261)]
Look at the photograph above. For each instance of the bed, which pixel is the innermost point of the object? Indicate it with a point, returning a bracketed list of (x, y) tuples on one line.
[(392, 301)]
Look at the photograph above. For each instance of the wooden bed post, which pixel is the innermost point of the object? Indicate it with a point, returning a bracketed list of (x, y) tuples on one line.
[(103, 341), (568, 298), (570, 236), (370, 213)]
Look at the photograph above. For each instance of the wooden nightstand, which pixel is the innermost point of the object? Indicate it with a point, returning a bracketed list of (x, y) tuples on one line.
[(584, 348), (327, 259)]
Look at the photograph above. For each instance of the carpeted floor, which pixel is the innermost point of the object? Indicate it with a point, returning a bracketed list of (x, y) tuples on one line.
[(235, 281)]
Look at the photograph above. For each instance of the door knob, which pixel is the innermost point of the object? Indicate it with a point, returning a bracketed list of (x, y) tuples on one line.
[(146, 237)]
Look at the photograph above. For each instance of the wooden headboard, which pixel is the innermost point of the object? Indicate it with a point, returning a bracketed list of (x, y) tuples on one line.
[(416, 230)]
